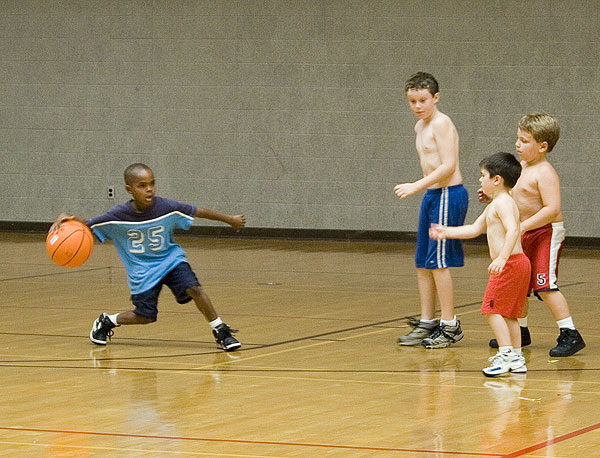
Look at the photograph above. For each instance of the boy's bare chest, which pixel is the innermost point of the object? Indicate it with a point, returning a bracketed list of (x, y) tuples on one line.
[(527, 184), (526, 193), (425, 141)]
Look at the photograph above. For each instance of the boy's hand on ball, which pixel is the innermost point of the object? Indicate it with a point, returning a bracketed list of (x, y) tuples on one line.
[(59, 220)]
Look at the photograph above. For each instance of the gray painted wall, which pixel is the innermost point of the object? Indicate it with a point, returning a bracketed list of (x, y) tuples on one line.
[(290, 111)]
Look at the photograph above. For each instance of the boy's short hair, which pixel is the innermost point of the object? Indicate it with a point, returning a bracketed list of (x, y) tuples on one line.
[(422, 80), (542, 126), (132, 171), (504, 165)]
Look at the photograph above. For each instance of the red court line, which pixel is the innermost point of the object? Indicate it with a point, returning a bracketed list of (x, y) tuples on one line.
[(556, 440), (239, 441)]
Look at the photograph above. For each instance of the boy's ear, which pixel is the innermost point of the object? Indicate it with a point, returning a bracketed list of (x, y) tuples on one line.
[(544, 147), (498, 179), (128, 188), (436, 97)]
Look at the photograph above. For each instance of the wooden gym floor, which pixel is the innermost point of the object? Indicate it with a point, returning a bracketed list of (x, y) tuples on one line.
[(319, 375)]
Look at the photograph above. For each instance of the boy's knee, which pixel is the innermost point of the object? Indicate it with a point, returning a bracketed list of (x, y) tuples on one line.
[(194, 291)]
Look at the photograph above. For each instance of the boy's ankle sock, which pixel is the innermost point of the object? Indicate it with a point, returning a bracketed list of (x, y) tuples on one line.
[(566, 323), (506, 349), (113, 319), (428, 321), (216, 322), (451, 322), (517, 351), (522, 322)]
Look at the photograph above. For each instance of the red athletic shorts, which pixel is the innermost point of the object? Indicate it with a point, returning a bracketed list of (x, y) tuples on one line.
[(506, 293), (543, 246)]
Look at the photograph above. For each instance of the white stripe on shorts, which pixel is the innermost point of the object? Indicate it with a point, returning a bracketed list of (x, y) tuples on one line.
[(443, 220), (558, 237)]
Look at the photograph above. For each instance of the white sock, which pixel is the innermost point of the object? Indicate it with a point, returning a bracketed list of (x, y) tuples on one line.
[(451, 322), (216, 322), (428, 321), (506, 349), (518, 351), (113, 319), (522, 322), (566, 323)]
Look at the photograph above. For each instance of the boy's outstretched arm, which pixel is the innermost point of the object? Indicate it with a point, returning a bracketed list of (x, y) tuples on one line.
[(469, 231), (235, 221)]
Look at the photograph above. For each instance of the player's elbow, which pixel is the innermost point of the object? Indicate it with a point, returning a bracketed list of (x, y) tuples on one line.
[(553, 211), (448, 168)]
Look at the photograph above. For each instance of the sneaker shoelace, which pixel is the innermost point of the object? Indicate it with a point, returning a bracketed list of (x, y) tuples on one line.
[(438, 331), (497, 356)]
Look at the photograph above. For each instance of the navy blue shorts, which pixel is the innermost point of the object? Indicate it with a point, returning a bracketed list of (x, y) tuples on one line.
[(447, 206), (178, 280)]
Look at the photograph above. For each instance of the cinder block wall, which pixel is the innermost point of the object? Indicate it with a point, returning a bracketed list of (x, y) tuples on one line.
[(290, 111)]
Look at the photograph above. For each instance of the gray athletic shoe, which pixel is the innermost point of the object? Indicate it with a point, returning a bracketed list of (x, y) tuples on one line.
[(444, 336), (421, 330)]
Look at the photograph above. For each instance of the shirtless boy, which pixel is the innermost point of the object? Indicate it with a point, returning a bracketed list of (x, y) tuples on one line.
[(437, 147), (537, 194), (506, 292)]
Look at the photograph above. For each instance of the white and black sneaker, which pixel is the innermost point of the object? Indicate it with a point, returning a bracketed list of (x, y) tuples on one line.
[(420, 331), (102, 329), (224, 338), (444, 336)]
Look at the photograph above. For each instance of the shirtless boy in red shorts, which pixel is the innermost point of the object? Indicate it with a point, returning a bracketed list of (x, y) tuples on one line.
[(506, 292)]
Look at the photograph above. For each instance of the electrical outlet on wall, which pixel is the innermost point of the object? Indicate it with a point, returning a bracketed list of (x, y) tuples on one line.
[(111, 192)]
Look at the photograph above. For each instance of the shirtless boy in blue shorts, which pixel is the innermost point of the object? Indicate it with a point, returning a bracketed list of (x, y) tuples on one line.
[(445, 202)]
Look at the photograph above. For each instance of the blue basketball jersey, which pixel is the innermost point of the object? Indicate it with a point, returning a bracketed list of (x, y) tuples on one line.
[(144, 241)]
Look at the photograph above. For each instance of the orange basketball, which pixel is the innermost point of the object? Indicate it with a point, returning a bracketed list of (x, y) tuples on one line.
[(70, 245)]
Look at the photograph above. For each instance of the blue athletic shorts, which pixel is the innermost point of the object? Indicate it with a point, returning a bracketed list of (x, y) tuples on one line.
[(178, 280), (447, 206)]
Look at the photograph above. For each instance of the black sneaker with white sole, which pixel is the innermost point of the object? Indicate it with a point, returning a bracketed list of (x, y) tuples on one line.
[(225, 340), (102, 330)]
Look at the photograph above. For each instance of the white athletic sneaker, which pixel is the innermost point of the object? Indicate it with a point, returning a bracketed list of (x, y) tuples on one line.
[(500, 364), (517, 364)]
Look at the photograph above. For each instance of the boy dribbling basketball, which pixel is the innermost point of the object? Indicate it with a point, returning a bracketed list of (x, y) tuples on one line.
[(142, 231)]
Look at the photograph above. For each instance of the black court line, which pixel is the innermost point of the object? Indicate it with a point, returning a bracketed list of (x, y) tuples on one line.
[(53, 274), (321, 336)]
